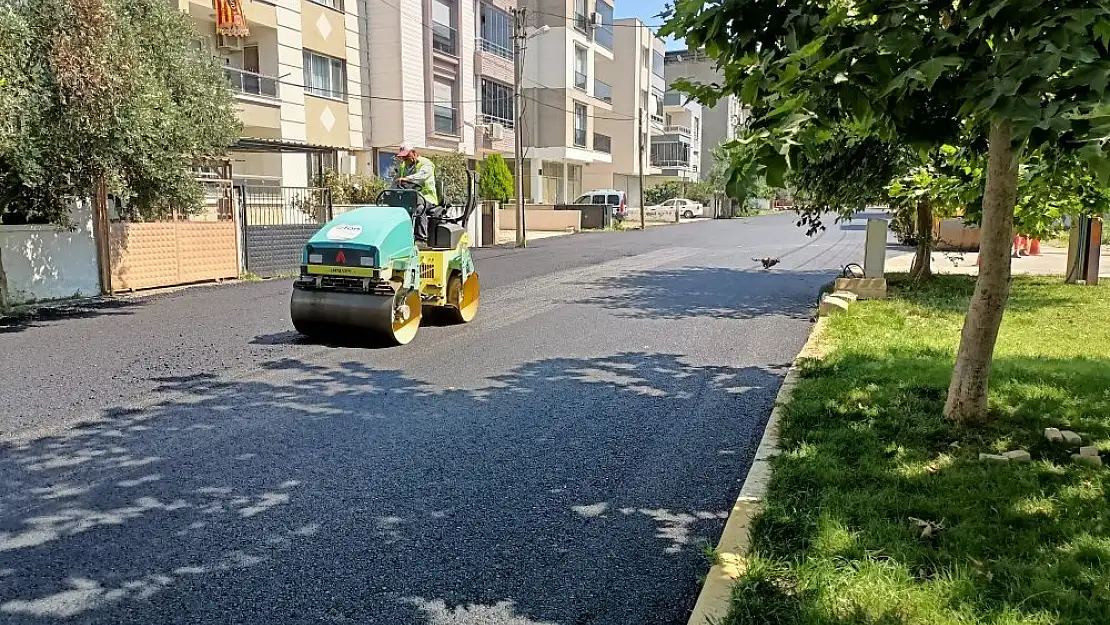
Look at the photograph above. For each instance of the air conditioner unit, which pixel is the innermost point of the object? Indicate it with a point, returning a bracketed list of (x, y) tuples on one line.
[(496, 132), (595, 19), (224, 42)]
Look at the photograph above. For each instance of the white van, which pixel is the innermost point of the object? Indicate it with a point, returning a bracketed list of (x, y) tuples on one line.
[(617, 199)]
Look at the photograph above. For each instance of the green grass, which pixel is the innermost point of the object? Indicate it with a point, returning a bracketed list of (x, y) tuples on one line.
[(867, 451)]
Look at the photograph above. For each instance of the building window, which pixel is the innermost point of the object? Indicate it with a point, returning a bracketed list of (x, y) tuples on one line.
[(444, 35), (645, 57), (696, 127), (497, 31), (656, 63), (331, 4), (574, 180), (657, 107), (443, 106), (604, 35), (325, 76), (581, 67), (581, 15), (580, 123), (318, 164), (497, 102), (643, 100)]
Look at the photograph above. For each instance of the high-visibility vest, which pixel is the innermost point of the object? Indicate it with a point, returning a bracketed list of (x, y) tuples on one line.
[(428, 186)]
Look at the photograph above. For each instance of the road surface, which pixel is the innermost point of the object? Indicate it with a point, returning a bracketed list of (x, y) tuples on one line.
[(187, 458)]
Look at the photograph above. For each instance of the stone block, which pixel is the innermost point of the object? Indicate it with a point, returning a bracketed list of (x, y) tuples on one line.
[(1072, 438), (1094, 461), (1089, 450), (847, 296), (1019, 455), (1054, 435), (993, 458), (864, 288), (832, 306)]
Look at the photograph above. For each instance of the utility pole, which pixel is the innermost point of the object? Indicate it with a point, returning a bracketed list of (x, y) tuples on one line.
[(640, 140), (518, 100), (681, 194)]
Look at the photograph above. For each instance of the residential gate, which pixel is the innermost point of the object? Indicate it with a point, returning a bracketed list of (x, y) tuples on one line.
[(277, 222)]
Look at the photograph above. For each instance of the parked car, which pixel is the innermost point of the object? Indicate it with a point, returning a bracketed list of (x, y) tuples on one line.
[(613, 197), (686, 208)]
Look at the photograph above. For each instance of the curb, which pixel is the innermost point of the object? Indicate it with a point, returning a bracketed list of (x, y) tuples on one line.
[(714, 599)]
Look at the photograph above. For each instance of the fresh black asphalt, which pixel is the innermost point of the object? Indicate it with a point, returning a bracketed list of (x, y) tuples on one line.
[(187, 458)]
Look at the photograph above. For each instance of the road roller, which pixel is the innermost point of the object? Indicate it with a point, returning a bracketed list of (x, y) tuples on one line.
[(373, 274)]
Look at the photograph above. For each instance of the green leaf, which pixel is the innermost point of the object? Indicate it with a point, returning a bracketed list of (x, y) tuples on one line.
[(934, 67)]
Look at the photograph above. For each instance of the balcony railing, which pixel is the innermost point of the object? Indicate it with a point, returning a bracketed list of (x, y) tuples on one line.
[(670, 154), (603, 143), (495, 48), (444, 39), (676, 130), (250, 83), (603, 90), (580, 80), (670, 164)]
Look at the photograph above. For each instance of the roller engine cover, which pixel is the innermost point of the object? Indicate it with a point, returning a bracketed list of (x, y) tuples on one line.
[(443, 235)]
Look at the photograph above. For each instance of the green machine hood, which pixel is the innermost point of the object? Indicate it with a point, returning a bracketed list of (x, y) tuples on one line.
[(384, 230)]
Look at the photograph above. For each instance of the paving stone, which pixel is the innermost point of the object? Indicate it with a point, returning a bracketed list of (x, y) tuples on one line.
[(847, 296), (1019, 455), (1072, 438), (832, 306), (1094, 461), (993, 458), (1089, 450), (1054, 435)]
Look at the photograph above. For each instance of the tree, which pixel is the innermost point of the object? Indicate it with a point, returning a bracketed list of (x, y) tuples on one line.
[(1019, 75), (495, 180), (105, 88)]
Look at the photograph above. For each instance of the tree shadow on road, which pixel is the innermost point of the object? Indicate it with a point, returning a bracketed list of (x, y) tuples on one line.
[(563, 491), (35, 315), (710, 292)]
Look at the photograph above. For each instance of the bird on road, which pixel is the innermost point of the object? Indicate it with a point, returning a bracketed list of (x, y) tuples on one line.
[(767, 262)]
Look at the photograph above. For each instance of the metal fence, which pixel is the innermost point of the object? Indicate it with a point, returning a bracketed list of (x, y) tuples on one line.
[(277, 222)]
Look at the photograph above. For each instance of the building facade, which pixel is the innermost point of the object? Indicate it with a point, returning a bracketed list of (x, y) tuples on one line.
[(295, 77), (636, 72), (564, 96), (676, 152), (719, 122)]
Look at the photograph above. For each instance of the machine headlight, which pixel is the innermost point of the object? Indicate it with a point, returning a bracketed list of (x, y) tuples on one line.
[(367, 261), (316, 258)]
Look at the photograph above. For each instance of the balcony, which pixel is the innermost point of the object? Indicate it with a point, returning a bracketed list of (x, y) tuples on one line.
[(676, 130), (670, 154), (250, 83), (603, 91), (603, 143), (445, 39)]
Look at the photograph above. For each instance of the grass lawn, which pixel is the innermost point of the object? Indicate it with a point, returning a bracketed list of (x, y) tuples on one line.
[(880, 512)]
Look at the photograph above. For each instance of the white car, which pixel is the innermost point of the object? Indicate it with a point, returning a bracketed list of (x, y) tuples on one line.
[(687, 209)]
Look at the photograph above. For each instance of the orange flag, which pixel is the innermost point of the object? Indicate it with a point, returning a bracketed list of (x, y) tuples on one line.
[(229, 18)]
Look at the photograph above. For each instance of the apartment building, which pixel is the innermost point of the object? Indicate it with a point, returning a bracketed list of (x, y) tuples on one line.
[(295, 78), (419, 65), (564, 97), (719, 122), (676, 152), (493, 71), (636, 73)]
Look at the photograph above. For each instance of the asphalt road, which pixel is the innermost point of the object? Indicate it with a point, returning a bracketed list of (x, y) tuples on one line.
[(187, 458)]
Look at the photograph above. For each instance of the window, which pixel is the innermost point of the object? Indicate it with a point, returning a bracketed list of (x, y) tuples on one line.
[(324, 76), (332, 4), (497, 102), (581, 17), (444, 35), (497, 31), (604, 35), (645, 56), (656, 63), (580, 125), (657, 107), (581, 65), (574, 180), (320, 162), (696, 127), (643, 100), (443, 106)]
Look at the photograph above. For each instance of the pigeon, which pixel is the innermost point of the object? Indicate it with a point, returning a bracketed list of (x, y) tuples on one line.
[(767, 262)]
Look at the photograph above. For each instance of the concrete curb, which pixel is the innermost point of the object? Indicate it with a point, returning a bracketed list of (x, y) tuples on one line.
[(732, 549)]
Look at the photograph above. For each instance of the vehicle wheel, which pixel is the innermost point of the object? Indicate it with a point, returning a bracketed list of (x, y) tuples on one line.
[(688, 214)]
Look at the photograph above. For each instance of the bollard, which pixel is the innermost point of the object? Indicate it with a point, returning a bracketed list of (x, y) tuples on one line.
[(874, 251)]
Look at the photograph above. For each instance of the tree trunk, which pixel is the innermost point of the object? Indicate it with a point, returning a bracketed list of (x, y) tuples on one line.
[(3, 286), (967, 393), (922, 268)]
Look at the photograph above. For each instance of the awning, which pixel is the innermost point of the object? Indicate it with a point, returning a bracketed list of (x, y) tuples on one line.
[(230, 21), (248, 144)]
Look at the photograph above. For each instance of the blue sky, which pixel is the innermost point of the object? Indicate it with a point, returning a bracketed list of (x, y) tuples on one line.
[(646, 10)]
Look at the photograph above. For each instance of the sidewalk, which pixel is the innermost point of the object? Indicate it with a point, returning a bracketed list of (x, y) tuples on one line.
[(1052, 262)]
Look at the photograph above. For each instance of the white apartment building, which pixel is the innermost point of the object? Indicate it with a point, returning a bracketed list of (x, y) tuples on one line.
[(636, 73), (719, 122), (564, 96), (296, 83)]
